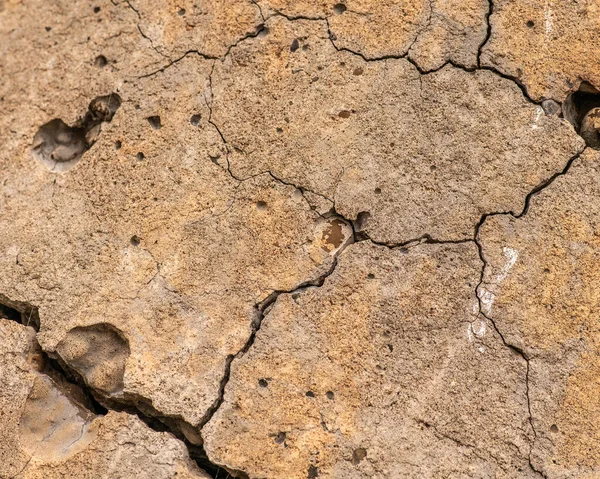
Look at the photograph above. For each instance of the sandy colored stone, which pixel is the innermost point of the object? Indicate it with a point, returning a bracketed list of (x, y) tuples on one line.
[(548, 45), (48, 433), (430, 32), (384, 371), (166, 247), (448, 146), (182, 188), (540, 288)]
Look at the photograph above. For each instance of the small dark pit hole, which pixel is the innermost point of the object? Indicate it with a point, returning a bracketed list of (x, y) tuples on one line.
[(530, 24), (19, 312), (344, 114), (263, 383), (582, 110), (100, 61), (295, 45), (329, 394), (181, 12), (339, 8), (48, 28), (358, 71), (96, 9), (154, 122), (358, 455), (140, 156), (391, 347), (135, 241), (280, 438), (371, 276), (377, 191), (195, 120), (261, 205), (310, 394), (554, 428), (118, 145), (361, 220), (304, 48), (279, 130), (59, 146), (313, 472)]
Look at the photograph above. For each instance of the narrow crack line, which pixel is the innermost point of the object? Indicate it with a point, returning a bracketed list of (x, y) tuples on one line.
[(507, 344), (424, 72), (424, 239), (176, 60), (542, 186), (262, 309), (259, 29), (260, 11), (151, 42), (421, 30), (488, 34)]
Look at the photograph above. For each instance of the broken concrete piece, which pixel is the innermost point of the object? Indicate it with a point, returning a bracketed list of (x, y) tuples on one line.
[(545, 44), (171, 253), (448, 147), (384, 371), (539, 287), (48, 433)]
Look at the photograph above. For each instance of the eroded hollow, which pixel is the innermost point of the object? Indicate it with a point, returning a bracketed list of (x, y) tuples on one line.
[(99, 354), (59, 147), (582, 110), (19, 312)]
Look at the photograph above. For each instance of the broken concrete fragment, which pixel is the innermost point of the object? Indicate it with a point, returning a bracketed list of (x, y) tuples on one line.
[(430, 32), (48, 433), (384, 371), (414, 154), (99, 353), (540, 284), (545, 44), (168, 250)]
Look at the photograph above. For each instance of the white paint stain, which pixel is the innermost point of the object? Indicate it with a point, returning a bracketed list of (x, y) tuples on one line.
[(479, 327), (511, 255), (539, 111), (487, 300), (486, 293), (548, 18)]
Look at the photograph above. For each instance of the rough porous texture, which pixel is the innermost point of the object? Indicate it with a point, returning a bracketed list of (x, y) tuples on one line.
[(276, 239)]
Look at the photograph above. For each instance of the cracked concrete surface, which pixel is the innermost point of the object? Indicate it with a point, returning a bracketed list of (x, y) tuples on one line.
[(309, 239)]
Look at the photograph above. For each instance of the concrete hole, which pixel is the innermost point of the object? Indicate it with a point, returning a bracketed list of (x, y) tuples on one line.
[(261, 206), (100, 61), (195, 120), (59, 147), (358, 455), (339, 8), (582, 110), (329, 394), (155, 122)]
